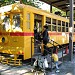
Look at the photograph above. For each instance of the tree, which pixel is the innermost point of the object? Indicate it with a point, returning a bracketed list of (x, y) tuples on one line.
[(6, 2), (35, 3), (58, 12)]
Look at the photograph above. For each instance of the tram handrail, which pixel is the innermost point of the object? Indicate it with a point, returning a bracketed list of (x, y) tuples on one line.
[(44, 49), (55, 42), (59, 45), (45, 45), (47, 50)]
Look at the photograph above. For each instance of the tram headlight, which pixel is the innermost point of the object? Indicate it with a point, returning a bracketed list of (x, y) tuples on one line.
[(4, 39)]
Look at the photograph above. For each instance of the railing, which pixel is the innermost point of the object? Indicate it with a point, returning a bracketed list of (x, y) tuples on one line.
[(58, 45), (47, 50)]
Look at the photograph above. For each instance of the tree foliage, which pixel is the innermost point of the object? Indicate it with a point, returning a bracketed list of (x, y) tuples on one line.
[(58, 12), (29, 2), (6, 2)]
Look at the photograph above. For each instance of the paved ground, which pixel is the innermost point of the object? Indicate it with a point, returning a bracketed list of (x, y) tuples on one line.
[(67, 68)]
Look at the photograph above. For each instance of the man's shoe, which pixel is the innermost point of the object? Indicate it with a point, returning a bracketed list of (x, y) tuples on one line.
[(57, 71)]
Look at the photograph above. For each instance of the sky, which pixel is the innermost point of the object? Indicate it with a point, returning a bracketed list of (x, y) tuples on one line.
[(45, 7)]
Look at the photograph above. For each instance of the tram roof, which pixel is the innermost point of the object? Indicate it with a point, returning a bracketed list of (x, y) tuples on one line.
[(61, 4)]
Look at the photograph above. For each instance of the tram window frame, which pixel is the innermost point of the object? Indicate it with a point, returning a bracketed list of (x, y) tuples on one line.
[(74, 27), (54, 26), (63, 26), (48, 20), (16, 17), (49, 26), (6, 23), (28, 20), (59, 28), (54, 21), (59, 25), (63, 23), (48, 23), (67, 26)]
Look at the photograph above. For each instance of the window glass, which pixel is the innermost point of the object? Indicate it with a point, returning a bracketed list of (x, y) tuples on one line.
[(59, 22), (16, 20), (53, 24), (63, 28), (16, 23), (54, 21), (63, 23), (48, 23), (48, 20), (66, 26), (28, 25), (59, 28), (28, 16), (28, 21), (6, 23), (53, 27), (49, 27)]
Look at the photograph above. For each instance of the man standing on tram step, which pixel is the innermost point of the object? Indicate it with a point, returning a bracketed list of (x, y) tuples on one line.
[(45, 38)]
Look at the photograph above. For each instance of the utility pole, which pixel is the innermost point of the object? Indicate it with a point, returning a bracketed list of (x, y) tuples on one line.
[(71, 28)]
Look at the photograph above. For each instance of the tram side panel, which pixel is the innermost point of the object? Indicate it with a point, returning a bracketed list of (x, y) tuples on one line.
[(59, 37), (28, 25), (17, 43), (21, 41)]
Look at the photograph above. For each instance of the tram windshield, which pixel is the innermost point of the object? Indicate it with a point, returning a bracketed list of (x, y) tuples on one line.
[(12, 25), (6, 23), (16, 23)]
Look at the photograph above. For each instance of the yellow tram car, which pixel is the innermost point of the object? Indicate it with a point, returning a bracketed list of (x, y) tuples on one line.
[(18, 26)]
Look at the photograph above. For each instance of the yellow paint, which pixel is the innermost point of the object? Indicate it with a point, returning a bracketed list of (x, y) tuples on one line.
[(18, 45)]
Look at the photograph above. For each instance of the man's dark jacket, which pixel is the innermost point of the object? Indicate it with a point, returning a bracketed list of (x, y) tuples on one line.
[(45, 37)]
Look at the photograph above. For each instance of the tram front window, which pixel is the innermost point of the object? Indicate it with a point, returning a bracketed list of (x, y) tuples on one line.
[(16, 23), (6, 24), (12, 24)]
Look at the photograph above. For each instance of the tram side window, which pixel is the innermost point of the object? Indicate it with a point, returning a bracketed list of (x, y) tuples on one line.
[(59, 26), (63, 26), (66, 26), (48, 22), (53, 24), (28, 20), (74, 27)]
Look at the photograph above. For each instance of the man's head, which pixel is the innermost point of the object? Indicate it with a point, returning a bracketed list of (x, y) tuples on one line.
[(45, 26)]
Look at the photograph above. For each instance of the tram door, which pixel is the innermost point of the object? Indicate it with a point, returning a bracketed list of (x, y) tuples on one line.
[(37, 30)]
